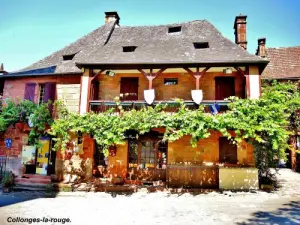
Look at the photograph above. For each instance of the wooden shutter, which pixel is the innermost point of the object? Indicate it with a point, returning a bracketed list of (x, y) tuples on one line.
[(29, 91), (95, 90), (50, 94)]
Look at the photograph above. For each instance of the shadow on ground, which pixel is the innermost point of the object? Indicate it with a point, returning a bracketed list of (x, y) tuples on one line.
[(22, 196), (288, 214)]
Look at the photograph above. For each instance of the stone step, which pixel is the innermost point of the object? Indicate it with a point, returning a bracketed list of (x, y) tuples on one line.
[(31, 187), (19, 180), (36, 176)]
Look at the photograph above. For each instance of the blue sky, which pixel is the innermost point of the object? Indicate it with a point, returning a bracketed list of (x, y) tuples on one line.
[(33, 29)]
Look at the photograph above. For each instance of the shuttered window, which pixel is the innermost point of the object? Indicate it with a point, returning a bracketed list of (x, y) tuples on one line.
[(49, 94), (29, 91)]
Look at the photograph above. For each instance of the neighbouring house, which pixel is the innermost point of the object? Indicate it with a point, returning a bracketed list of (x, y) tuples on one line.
[(284, 66), (140, 64)]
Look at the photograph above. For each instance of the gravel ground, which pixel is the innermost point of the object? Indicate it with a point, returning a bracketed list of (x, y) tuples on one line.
[(279, 207)]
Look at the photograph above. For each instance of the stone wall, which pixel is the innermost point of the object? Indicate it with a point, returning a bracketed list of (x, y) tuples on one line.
[(207, 150), (15, 87), (70, 95), (14, 153), (76, 161)]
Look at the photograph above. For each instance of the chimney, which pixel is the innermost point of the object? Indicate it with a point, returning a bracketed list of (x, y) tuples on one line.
[(112, 16), (1, 67), (261, 48), (240, 31)]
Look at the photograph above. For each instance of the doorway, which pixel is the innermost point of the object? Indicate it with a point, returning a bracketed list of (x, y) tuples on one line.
[(225, 87), (147, 158), (227, 151), (129, 88)]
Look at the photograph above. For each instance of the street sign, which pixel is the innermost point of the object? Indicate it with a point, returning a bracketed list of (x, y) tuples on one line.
[(8, 142)]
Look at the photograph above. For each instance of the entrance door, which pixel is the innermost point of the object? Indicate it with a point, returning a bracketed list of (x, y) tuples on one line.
[(227, 151), (129, 88), (225, 87)]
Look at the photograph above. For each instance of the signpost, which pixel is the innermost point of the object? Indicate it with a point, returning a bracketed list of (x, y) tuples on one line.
[(8, 144)]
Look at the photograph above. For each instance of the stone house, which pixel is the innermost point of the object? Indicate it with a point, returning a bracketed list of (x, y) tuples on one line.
[(190, 60)]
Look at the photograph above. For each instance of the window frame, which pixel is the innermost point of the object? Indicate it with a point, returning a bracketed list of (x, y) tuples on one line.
[(156, 150), (170, 80), (41, 90)]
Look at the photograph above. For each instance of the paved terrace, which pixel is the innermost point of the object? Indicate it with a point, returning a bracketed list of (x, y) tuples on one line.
[(279, 207)]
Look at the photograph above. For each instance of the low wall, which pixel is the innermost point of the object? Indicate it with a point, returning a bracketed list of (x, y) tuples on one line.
[(238, 178), (192, 176)]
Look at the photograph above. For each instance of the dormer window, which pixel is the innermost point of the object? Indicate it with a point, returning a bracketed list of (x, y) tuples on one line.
[(129, 48), (201, 45), (174, 29), (68, 57)]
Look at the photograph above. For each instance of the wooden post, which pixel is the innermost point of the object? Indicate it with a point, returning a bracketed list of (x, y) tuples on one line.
[(151, 76), (197, 75), (246, 75)]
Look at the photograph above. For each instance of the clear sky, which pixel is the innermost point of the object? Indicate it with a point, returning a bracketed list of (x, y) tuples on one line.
[(32, 29)]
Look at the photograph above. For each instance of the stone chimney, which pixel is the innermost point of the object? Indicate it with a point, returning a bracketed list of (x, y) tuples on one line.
[(261, 48), (2, 71), (240, 31), (112, 16)]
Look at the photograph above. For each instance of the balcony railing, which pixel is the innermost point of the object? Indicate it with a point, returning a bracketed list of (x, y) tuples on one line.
[(172, 106)]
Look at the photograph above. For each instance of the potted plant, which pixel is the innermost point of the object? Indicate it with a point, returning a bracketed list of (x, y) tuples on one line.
[(7, 182)]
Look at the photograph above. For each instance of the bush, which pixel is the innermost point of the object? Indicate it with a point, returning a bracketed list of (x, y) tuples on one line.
[(8, 179)]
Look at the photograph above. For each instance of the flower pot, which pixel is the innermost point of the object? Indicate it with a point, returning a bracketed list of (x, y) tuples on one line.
[(20, 126), (26, 128), (117, 181)]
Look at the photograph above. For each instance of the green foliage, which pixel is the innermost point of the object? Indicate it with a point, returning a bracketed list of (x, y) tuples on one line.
[(21, 111), (40, 118), (8, 179), (263, 122)]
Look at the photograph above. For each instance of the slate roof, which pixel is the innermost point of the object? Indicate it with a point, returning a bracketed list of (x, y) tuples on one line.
[(284, 63), (155, 45)]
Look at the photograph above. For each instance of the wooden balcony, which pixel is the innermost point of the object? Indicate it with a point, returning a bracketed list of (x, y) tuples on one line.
[(172, 106)]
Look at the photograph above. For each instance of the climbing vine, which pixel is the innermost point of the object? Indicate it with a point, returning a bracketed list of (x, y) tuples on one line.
[(264, 122), (21, 111)]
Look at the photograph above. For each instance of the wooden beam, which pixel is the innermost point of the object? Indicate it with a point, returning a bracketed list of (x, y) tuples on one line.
[(97, 74), (189, 71), (240, 71), (151, 76), (197, 75)]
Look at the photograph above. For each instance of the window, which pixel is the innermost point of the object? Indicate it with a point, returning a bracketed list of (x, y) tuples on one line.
[(133, 153), (174, 29), (129, 48), (201, 45), (41, 93), (148, 153), (68, 57), (170, 81), (298, 142)]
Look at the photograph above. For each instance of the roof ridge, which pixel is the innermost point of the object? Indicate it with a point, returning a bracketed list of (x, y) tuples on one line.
[(297, 46), (164, 25)]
